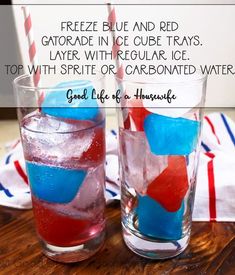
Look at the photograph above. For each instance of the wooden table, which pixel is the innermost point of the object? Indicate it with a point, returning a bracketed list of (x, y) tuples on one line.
[(211, 250)]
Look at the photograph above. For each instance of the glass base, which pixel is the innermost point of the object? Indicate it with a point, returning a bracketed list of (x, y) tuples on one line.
[(154, 248), (74, 253)]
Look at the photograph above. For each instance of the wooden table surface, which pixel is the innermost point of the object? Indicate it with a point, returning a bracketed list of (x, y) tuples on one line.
[(211, 250)]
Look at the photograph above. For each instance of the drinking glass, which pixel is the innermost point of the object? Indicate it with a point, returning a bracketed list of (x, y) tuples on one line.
[(159, 144), (64, 150)]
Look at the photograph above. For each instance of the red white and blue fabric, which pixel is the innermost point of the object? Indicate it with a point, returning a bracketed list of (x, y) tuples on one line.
[(215, 192), (14, 188), (112, 177)]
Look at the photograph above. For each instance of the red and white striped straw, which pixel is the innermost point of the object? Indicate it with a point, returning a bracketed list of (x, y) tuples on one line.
[(112, 19), (32, 52), (120, 71)]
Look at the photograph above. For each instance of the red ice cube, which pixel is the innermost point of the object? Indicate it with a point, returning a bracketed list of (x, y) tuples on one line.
[(138, 113), (170, 187)]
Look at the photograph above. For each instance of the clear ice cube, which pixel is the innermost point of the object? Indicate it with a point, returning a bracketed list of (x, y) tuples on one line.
[(139, 165), (89, 201), (51, 141)]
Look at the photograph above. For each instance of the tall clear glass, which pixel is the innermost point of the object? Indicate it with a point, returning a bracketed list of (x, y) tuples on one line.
[(159, 139), (64, 148)]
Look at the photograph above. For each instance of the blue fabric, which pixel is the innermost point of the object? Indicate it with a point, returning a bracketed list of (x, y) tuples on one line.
[(6, 191), (7, 161), (205, 147), (228, 128)]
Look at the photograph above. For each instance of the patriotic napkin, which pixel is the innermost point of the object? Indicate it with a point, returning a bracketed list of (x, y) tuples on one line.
[(215, 192)]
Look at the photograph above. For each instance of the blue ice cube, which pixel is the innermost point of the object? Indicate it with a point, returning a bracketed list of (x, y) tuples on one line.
[(155, 221), (171, 136), (54, 184), (56, 102)]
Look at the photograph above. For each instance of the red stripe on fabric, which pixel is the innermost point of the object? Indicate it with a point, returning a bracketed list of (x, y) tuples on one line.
[(27, 24), (210, 155), (211, 182), (21, 171), (212, 128), (112, 16), (32, 51)]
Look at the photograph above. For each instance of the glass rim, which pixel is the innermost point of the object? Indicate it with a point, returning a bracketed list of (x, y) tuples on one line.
[(199, 78), (16, 83)]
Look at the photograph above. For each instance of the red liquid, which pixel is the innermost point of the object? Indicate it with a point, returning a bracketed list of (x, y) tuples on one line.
[(60, 230), (70, 145)]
